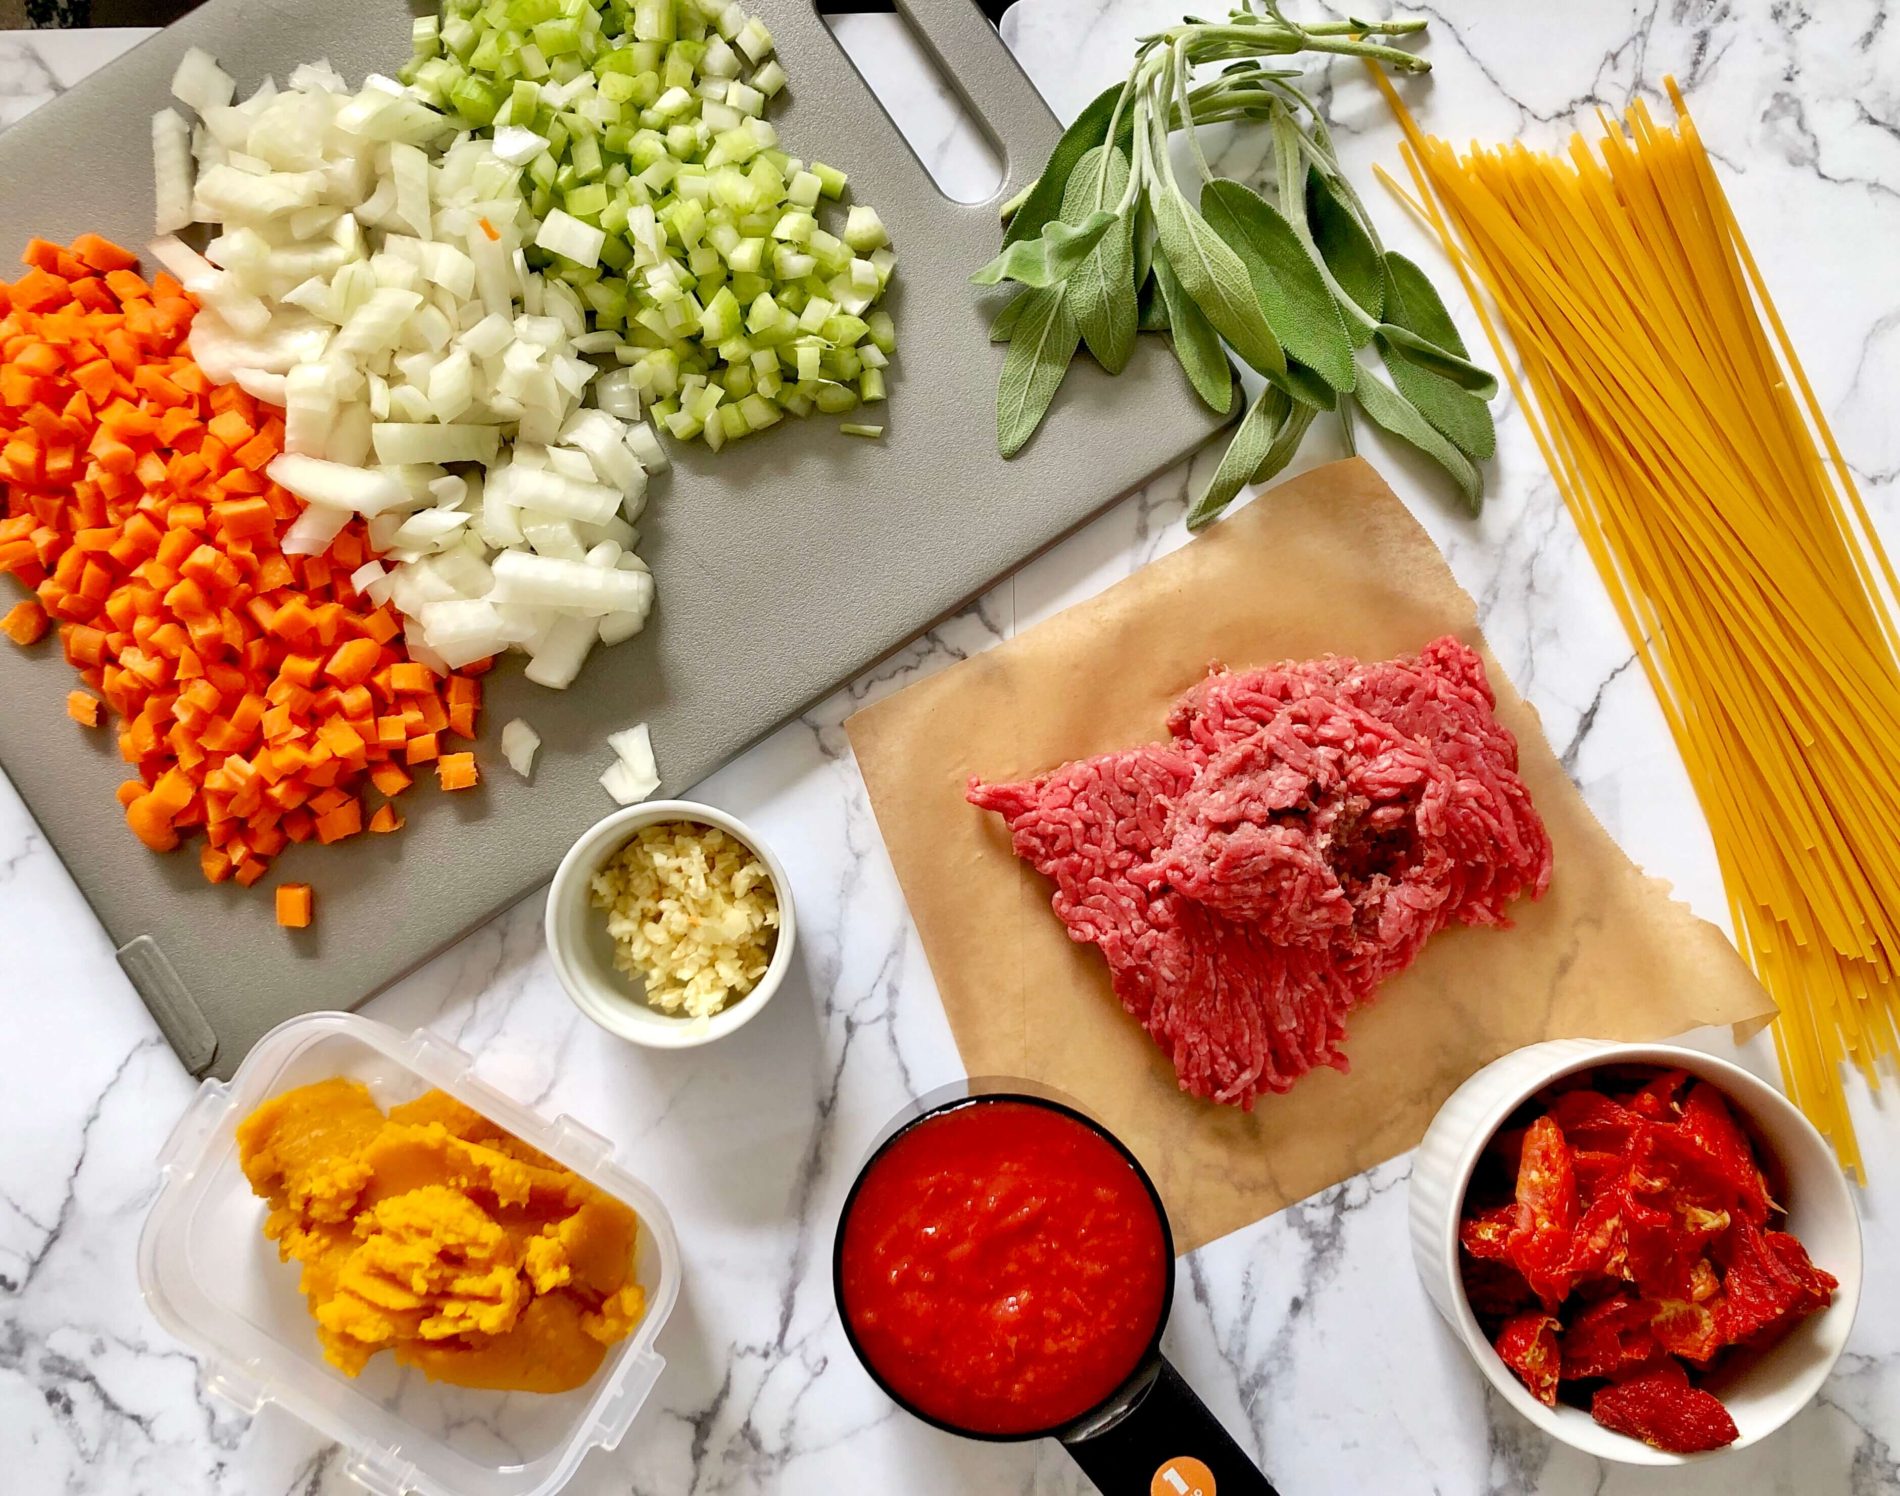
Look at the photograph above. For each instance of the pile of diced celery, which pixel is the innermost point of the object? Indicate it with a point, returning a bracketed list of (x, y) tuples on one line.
[(662, 197)]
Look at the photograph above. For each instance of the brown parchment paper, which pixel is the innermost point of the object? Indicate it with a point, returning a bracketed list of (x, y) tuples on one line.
[(1329, 562)]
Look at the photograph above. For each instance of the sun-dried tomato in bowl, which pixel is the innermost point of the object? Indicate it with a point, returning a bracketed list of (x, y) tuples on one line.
[(1618, 1242)]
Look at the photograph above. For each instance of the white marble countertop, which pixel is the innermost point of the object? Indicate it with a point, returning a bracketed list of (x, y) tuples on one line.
[(1307, 1333)]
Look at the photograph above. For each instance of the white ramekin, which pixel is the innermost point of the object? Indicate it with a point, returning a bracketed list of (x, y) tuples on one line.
[(583, 951), (1763, 1394)]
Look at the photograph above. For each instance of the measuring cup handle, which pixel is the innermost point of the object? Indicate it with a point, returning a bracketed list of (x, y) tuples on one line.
[(1168, 1444)]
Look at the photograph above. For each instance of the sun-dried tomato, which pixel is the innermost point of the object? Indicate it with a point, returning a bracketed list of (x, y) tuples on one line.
[(1593, 1121), (1599, 1247), (1659, 1258), (1766, 1285), (1547, 1200), (1495, 1290), (1659, 1099), (1707, 1122), (1528, 1345), (1671, 1173), (1658, 1406), (1597, 1171), (1685, 1328), (1817, 1284), (1611, 1334), (1487, 1234)]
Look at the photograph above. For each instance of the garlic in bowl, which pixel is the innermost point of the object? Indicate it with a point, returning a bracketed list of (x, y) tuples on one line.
[(1648, 1251), (670, 924)]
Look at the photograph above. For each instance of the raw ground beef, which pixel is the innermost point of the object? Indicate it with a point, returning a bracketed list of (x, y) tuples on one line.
[(1301, 835)]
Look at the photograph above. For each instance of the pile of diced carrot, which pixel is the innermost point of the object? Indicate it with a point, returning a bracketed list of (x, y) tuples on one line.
[(258, 694)]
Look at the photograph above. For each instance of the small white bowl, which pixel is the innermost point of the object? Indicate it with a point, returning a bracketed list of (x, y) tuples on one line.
[(1763, 1393), (583, 951)]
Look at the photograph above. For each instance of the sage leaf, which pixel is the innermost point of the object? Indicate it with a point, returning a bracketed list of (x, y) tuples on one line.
[(1343, 243), (1305, 386), (1005, 322), (1196, 344), (1288, 286), (1416, 304), (1253, 440), (1039, 352), (1460, 416), (1217, 283), (1101, 288), (1409, 346), (1287, 157), (1397, 415), (1047, 260), (1144, 241), (1044, 202), (1292, 432), (1153, 313)]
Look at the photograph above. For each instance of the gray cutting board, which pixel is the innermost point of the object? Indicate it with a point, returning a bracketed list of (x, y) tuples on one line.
[(786, 564)]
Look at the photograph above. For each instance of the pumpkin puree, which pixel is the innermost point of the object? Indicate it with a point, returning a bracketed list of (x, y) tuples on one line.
[(432, 1233)]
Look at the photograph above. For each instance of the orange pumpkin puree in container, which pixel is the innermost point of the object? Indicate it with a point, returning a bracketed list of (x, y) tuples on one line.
[(432, 1233)]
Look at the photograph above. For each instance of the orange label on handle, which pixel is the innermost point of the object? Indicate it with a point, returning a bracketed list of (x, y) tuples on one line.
[(1182, 1476)]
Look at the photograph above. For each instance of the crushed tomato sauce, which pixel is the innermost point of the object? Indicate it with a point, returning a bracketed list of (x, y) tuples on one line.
[(1003, 1267)]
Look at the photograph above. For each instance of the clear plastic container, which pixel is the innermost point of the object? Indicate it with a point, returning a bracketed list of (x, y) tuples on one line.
[(213, 1280)]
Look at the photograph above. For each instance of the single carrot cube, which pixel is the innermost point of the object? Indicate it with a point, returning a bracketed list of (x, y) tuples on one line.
[(457, 771), (25, 622)]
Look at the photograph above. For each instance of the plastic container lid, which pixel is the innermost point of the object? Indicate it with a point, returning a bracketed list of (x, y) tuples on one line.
[(215, 1282)]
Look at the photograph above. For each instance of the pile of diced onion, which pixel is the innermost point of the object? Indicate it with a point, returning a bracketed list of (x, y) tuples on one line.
[(368, 273)]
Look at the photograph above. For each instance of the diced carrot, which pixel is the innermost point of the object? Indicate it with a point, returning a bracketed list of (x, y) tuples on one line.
[(409, 677), (25, 623), (345, 820), (255, 691), (353, 661), (293, 905), (457, 771), (391, 779)]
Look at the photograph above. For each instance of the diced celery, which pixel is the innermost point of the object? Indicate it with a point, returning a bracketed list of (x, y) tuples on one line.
[(834, 399), (854, 428), (715, 286), (831, 180)]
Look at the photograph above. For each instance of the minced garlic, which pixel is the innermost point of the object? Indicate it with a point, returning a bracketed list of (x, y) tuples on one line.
[(692, 913)]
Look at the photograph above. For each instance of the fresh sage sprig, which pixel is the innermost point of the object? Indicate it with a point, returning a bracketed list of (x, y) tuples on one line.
[(1106, 244)]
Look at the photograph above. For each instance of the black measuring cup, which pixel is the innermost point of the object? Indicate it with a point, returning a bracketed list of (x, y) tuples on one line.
[(1151, 1436)]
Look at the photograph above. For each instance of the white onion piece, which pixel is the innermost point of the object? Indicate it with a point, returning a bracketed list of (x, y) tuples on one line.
[(570, 586), (634, 774), (311, 532), (562, 652), (200, 83), (423, 442), (552, 493), (518, 744), (171, 171), (316, 481)]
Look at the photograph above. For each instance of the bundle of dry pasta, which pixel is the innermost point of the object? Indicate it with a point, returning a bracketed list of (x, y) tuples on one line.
[(1668, 401)]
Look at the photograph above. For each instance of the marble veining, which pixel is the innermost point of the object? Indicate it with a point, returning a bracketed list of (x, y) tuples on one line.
[(1306, 1332)]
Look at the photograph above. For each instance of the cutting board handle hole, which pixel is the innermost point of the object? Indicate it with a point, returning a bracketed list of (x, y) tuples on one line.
[(956, 151)]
